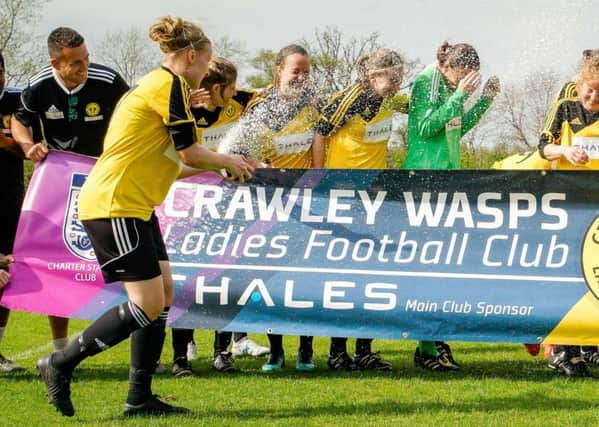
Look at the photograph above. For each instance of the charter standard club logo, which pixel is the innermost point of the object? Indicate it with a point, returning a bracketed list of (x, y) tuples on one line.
[(73, 233)]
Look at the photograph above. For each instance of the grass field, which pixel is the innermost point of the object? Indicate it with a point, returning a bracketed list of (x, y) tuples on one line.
[(501, 385)]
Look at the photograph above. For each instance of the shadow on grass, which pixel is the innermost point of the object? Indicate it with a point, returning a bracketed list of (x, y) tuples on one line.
[(533, 370), (516, 371), (526, 402)]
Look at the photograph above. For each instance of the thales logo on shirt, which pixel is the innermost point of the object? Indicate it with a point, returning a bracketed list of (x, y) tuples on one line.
[(73, 234), (590, 145), (378, 132)]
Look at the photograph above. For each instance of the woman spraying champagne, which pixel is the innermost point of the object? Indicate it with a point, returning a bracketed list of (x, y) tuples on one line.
[(151, 134)]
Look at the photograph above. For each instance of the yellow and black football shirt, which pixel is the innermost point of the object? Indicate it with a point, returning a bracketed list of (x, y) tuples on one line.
[(570, 124), (530, 160), (358, 125), (286, 130), (139, 162), (212, 126)]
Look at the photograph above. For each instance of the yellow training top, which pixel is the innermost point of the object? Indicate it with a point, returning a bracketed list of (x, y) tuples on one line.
[(213, 126), (570, 124), (139, 162), (530, 160), (359, 126), (285, 132)]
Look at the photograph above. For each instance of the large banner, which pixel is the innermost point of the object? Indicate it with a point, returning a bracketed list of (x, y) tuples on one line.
[(453, 255)]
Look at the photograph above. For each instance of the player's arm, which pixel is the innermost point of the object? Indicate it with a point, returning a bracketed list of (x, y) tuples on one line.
[(175, 110), (550, 147), (35, 151), (21, 124), (318, 150), (198, 158)]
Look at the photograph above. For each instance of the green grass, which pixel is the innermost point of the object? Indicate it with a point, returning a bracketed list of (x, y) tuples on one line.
[(501, 385)]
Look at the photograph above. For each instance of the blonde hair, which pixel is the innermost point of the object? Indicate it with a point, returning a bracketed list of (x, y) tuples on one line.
[(174, 34), (590, 66), (378, 60)]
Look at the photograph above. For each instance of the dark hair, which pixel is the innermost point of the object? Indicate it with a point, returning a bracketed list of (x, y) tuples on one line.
[(173, 34), (220, 71), (2, 61), (379, 59), (289, 50), (459, 55), (292, 49), (63, 37)]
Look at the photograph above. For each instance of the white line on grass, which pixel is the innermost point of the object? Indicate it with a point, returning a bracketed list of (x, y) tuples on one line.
[(42, 349)]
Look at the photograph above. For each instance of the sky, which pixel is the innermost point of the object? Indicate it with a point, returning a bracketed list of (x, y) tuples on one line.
[(513, 37)]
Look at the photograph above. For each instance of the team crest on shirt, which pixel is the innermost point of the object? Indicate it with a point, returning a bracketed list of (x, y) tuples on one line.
[(92, 111), (73, 234), (229, 111), (6, 121)]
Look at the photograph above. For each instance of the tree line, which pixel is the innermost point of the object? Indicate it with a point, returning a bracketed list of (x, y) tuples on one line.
[(513, 123)]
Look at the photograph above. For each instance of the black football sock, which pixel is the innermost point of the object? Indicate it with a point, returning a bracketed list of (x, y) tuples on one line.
[(338, 345), (222, 339), (363, 346), (305, 347), (111, 328), (146, 346), (239, 335), (276, 344), (181, 337)]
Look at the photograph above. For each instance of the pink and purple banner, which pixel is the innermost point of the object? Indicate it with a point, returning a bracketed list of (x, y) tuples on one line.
[(55, 270), (454, 255)]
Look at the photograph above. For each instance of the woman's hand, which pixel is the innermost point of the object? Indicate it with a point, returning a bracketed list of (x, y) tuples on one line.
[(575, 155), (199, 97), (257, 164), (238, 168), (470, 82), (492, 87)]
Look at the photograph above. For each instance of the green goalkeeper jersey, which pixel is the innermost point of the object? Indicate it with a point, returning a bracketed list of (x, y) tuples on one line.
[(437, 121)]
